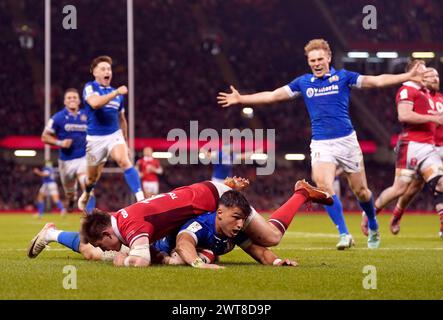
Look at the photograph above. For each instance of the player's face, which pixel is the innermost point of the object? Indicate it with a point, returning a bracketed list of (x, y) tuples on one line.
[(109, 241), (103, 73), (319, 61), (147, 152), (72, 101), (230, 220), (433, 81)]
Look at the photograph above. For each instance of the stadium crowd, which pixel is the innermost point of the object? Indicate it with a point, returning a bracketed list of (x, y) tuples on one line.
[(178, 77)]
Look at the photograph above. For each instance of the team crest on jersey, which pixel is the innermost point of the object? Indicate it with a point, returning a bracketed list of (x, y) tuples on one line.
[(334, 78), (83, 118), (413, 162)]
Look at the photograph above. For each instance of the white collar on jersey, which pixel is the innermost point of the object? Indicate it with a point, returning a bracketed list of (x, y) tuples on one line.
[(115, 229), (413, 85)]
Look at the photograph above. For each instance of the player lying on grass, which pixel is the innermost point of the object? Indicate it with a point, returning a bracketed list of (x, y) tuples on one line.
[(210, 235), (153, 219)]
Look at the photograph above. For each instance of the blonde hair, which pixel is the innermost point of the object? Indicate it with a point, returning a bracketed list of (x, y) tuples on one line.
[(317, 44)]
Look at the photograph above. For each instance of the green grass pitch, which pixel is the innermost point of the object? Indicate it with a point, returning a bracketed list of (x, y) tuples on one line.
[(408, 266)]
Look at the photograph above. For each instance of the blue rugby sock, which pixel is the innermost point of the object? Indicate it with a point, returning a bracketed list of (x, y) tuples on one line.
[(91, 204), (40, 207), (336, 214), (369, 209), (133, 180), (60, 205), (70, 240)]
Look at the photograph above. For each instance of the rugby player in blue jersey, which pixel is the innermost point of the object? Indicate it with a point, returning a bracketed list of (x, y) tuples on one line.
[(48, 188), (67, 129), (334, 142), (106, 130), (219, 231)]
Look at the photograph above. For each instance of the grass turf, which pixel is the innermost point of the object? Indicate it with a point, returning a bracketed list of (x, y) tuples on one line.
[(408, 266)]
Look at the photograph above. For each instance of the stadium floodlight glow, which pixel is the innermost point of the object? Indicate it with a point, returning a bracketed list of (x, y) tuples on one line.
[(423, 55), (358, 54), (248, 112), (162, 155), (295, 156), (25, 153), (259, 156), (387, 55)]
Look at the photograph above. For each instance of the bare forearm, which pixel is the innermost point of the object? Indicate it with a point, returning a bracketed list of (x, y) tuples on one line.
[(262, 254), (49, 139), (187, 252), (416, 118), (260, 98), (97, 101)]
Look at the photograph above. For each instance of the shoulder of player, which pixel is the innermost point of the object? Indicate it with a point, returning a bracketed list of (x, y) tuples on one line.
[(59, 115)]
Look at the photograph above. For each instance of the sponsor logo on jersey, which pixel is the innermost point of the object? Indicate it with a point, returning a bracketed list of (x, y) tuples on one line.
[(75, 127), (324, 91)]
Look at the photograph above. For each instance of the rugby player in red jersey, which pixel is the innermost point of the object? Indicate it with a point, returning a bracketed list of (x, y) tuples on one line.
[(140, 224), (417, 157)]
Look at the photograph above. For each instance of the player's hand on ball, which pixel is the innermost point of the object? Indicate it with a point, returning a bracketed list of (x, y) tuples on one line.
[(228, 99), (287, 263), (122, 90), (119, 259), (66, 143)]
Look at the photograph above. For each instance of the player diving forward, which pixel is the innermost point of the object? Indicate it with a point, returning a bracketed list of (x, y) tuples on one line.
[(149, 220), (67, 129), (419, 151), (334, 142), (106, 130), (219, 232)]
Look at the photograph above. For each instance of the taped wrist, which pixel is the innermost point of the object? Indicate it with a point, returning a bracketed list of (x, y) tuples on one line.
[(141, 251)]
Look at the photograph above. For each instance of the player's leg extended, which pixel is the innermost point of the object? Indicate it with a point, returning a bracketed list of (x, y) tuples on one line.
[(120, 155), (323, 173), (403, 202), (69, 185), (269, 233), (94, 173)]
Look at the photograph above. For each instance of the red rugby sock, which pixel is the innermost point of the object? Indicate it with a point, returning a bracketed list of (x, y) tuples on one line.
[(282, 217)]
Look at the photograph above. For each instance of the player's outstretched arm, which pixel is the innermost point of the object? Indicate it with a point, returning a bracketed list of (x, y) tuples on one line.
[(49, 138), (265, 97), (96, 101), (416, 74), (267, 257), (186, 249), (139, 255)]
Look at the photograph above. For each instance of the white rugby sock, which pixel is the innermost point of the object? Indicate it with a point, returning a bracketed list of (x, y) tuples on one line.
[(52, 234)]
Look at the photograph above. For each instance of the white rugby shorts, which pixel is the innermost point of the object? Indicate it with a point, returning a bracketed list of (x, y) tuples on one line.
[(98, 148), (49, 189), (150, 187), (70, 169), (344, 152)]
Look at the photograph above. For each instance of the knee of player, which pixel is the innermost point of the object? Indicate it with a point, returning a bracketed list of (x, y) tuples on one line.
[(271, 239), (363, 194)]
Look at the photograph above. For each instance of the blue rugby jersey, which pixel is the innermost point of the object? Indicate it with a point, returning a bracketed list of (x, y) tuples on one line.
[(327, 101)]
